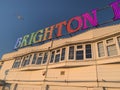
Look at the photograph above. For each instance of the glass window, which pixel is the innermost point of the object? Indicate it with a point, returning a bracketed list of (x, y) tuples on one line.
[(79, 55), (57, 51), (17, 63), (88, 51), (71, 52), (13, 66), (34, 58), (45, 58), (26, 60), (63, 54), (118, 41), (39, 59), (101, 52), (111, 50), (23, 62), (0, 66), (57, 56), (52, 57), (79, 47)]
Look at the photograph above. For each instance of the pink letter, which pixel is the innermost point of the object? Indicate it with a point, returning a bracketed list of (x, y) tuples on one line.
[(116, 9), (93, 20)]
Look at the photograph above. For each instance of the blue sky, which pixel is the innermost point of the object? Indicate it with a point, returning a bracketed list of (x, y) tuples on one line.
[(39, 14)]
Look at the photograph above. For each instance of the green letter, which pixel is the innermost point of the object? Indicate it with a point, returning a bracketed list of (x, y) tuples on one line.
[(24, 41), (31, 38), (38, 36)]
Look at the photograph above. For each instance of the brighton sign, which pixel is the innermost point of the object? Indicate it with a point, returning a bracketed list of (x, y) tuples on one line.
[(47, 33)]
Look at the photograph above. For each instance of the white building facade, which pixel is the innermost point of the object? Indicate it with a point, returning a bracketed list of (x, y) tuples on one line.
[(88, 61)]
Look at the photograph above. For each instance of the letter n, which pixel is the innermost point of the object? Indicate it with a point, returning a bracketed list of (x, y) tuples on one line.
[(92, 19)]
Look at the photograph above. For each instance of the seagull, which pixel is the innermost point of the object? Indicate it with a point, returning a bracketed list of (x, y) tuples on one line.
[(20, 17)]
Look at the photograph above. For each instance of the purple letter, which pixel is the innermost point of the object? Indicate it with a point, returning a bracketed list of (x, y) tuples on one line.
[(116, 9), (93, 20)]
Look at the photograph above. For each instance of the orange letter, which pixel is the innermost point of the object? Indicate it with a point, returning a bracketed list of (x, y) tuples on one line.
[(59, 26)]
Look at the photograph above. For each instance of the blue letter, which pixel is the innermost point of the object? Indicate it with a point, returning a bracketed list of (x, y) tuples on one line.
[(17, 45)]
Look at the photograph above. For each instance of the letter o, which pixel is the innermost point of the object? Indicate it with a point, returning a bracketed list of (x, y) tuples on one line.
[(71, 30)]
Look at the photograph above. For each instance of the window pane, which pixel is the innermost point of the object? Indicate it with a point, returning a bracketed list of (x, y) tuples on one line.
[(52, 57), (112, 50), (118, 41), (26, 60), (34, 58), (71, 52), (23, 62), (39, 59), (45, 58), (57, 57), (63, 54), (58, 51), (79, 47), (0, 66), (88, 51), (79, 55), (16, 63), (101, 49)]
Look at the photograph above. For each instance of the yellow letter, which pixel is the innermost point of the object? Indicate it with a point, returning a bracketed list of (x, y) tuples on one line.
[(24, 41), (48, 30)]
